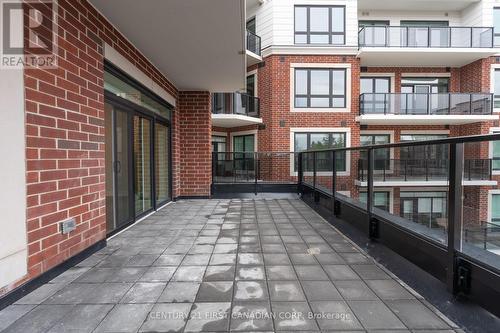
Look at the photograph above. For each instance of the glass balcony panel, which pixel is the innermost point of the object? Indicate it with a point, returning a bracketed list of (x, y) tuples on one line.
[(236, 103)]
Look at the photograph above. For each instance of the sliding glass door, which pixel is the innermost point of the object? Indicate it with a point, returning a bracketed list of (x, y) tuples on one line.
[(138, 153)]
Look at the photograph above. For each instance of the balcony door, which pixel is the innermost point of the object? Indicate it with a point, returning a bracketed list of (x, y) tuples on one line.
[(425, 95), (425, 33), (244, 148), (375, 99)]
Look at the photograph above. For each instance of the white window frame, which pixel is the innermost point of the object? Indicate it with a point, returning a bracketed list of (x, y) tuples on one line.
[(492, 83), (346, 130), (493, 130), (490, 202), (348, 81)]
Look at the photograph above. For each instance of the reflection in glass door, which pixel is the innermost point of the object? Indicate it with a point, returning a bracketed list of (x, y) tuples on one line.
[(162, 152), (118, 158), (142, 165)]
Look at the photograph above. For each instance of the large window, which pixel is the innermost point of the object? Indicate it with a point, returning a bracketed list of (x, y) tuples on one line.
[(495, 208), (496, 91), (320, 88), (382, 157), (426, 208), (316, 141), (320, 25)]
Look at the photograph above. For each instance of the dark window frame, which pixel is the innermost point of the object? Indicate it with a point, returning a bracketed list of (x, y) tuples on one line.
[(308, 96), (308, 31), (342, 157)]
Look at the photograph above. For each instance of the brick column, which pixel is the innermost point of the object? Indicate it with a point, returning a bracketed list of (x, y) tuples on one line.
[(195, 131)]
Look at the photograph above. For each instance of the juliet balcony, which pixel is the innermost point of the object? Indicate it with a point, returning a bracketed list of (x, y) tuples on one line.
[(235, 109), (424, 45), (425, 109), (253, 49)]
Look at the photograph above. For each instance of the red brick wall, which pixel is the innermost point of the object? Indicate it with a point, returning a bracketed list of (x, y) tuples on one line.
[(195, 127), (65, 137)]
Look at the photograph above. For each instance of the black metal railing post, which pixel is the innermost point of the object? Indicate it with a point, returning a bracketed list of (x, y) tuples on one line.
[(455, 210), (314, 175), (334, 179), (372, 222), (300, 172), (256, 168)]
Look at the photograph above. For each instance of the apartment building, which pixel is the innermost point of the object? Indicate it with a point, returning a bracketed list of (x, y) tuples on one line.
[(352, 73)]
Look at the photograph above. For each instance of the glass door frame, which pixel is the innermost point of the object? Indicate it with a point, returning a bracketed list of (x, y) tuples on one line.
[(132, 110)]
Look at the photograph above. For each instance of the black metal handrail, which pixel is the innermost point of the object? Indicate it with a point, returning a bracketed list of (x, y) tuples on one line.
[(236, 103), (423, 169), (426, 103), (426, 36), (253, 43)]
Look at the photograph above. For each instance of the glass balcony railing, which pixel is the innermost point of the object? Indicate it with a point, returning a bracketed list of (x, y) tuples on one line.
[(236, 103), (426, 37), (253, 43), (422, 170), (426, 104)]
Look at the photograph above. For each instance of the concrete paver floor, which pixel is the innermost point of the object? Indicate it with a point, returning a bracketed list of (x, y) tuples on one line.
[(226, 265)]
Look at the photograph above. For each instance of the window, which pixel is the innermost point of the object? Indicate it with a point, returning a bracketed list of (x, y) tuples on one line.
[(382, 157), (496, 91), (380, 199), (316, 141), (320, 25), (496, 25), (374, 92), (495, 163), (495, 208), (426, 208), (251, 25), (438, 153), (320, 88)]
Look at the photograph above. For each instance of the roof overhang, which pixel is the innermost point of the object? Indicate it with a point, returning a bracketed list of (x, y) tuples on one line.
[(197, 45), (429, 57)]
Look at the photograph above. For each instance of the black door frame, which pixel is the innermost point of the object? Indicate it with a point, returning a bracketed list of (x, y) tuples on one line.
[(138, 110)]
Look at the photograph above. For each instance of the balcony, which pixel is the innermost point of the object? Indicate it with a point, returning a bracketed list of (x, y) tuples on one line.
[(425, 109), (423, 172), (253, 49), (424, 45), (235, 109)]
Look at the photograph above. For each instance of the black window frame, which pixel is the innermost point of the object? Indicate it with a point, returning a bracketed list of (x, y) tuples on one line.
[(340, 157), (308, 32), (387, 193), (330, 95)]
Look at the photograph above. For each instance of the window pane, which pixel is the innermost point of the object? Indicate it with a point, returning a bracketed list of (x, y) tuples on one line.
[(366, 140), (380, 199), (338, 39), (382, 85), (320, 39), (337, 19), (338, 140), (424, 205), (495, 206), (320, 82), (320, 102), (300, 82), (497, 83), (381, 139), (366, 86), (318, 19), (300, 19), (338, 102), (162, 163), (300, 102), (300, 142), (320, 140), (338, 82), (300, 39), (496, 20)]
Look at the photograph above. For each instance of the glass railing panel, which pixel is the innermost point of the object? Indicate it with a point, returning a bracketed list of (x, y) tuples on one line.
[(236, 103), (253, 43), (480, 224)]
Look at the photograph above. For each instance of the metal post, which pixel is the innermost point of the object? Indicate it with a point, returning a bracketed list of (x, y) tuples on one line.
[(454, 214), (300, 172), (334, 180), (314, 175), (255, 168), (372, 223)]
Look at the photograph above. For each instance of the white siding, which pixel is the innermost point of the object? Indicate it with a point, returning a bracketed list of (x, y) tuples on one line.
[(275, 20)]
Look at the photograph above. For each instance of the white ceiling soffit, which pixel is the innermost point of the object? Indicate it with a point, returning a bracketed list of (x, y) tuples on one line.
[(197, 44), (450, 5)]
